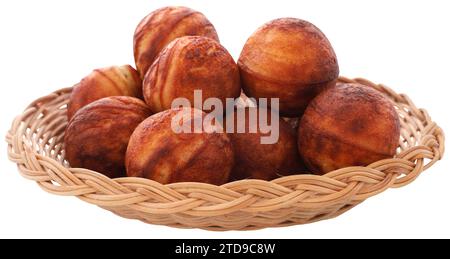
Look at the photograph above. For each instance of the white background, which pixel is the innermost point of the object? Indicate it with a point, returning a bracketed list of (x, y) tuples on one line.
[(46, 45)]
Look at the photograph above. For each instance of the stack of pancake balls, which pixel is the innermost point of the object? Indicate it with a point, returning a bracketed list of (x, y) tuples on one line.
[(121, 118)]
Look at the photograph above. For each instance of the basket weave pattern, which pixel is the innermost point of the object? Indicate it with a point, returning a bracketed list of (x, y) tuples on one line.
[(35, 144)]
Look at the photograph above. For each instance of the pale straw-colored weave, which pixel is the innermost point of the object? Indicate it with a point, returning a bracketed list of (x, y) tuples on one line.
[(35, 144)]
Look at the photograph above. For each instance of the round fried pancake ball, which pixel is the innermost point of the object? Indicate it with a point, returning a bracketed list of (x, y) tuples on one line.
[(162, 26), (348, 125), (258, 160), (97, 136), (187, 64), (160, 152), (290, 59), (104, 82)]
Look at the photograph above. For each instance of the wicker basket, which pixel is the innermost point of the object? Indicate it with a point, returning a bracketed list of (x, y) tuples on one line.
[(35, 144)]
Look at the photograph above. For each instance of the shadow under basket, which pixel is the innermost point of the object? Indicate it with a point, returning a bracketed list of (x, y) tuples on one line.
[(35, 144)]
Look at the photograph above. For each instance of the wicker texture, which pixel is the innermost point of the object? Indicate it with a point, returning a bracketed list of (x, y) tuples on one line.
[(35, 144)]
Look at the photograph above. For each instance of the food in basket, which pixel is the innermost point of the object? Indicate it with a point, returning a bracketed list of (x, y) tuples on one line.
[(162, 26), (104, 82), (191, 63), (290, 59), (286, 58), (348, 125), (97, 136), (160, 150), (262, 161)]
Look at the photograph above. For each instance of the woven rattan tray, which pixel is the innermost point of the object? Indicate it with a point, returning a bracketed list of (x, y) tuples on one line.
[(35, 144)]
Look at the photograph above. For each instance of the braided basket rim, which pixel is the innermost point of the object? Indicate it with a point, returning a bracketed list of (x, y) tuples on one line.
[(35, 145)]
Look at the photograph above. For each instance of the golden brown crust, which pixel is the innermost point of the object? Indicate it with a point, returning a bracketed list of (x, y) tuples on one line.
[(104, 82), (162, 26), (191, 63), (290, 59), (349, 124), (97, 136), (158, 153), (264, 161)]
